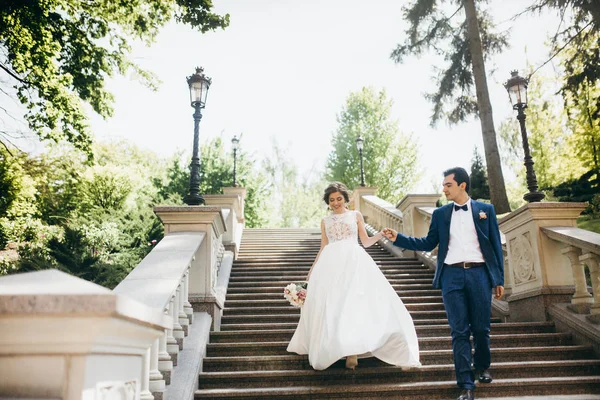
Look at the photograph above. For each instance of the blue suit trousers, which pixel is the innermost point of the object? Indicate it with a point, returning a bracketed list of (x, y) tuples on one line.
[(467, 295)]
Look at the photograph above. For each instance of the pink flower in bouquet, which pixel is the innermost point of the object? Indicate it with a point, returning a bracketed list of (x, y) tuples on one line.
[(302, 294)]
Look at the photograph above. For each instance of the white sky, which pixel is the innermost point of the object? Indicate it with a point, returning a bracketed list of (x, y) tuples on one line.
[(284, 68)]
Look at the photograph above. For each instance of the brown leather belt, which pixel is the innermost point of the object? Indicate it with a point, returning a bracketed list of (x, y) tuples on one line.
[(466, 265)]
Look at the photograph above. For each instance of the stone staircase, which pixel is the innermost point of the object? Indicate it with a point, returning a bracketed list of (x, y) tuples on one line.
[(247, 359)]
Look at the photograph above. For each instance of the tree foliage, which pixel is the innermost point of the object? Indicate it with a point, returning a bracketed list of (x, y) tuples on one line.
[(295, 201), (578, 39), (480, 188), (464, 37), (390, 157), (216, 172), (431, 28), (58, 53)]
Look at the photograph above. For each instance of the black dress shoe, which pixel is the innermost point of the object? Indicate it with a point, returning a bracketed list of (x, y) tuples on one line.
[(466, 394), (483, 376)]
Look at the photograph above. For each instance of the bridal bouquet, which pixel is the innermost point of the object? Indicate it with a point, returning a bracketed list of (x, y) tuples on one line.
[(295, 293)]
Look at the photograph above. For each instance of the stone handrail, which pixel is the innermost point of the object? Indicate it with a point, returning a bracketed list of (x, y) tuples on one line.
[(581, 247), (380, 213), (140, 325), (161, 281), (64, 337)]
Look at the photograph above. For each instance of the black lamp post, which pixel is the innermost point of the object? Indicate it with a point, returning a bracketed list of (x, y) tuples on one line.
[(517, 91), (199, 84), (359, 145), (235, 144)]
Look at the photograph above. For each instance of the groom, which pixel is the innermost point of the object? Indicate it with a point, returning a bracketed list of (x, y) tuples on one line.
[(470, 264)]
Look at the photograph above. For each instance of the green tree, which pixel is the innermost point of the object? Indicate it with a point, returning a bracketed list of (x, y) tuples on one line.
[(468, 43), (216, 172), (479, 181), (577, 40), (57, 55), (551, 143), (295, 200), (390, 157)]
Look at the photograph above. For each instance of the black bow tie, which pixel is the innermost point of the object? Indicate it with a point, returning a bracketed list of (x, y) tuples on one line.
[(463, 207)]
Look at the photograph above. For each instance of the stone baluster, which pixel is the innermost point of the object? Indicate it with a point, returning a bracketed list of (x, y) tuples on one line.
[(145, 393), (593, 262), (581, 299), (178, 333), (183, 318), (157, 383), (172, 345), (165, 364), (187, 307)]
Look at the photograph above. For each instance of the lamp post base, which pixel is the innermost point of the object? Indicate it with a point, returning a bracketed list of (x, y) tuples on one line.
[(193, 199), (533, 197)]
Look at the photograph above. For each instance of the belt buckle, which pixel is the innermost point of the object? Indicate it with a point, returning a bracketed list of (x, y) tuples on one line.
[(466, 266)]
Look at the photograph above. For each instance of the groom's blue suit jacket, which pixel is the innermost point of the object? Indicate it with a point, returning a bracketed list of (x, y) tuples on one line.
[(439, 233)]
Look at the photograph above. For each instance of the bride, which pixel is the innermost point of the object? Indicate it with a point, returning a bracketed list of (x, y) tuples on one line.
[(351, 310)]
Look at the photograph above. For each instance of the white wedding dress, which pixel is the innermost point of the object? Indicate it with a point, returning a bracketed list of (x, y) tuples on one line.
[(350, 307)]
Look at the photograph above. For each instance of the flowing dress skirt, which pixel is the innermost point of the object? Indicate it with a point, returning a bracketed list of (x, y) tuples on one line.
[(351, 309)]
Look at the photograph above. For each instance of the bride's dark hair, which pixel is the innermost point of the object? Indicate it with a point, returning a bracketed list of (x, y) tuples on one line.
[(336, 187)]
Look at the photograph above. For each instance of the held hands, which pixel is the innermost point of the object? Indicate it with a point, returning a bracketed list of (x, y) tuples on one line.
[(390, 234)]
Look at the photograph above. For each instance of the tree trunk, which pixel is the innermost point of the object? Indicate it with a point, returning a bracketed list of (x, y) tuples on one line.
[(492, 156)]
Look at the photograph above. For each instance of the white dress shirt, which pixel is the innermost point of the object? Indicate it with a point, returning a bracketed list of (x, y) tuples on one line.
[(464, 244)]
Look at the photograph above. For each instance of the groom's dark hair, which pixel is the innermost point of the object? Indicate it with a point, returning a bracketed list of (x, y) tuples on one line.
[(460, 176)]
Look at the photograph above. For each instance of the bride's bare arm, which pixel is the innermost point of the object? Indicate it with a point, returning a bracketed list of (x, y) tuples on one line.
[(324, 242), (362, 232)]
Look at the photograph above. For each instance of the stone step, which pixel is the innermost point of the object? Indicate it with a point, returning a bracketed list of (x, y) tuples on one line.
[(259, 334), (407, 289), (226, 318), (275, 322), (278, 300), (257, 309), (413, 390), (396, 283), (238, 273), (391, 374), (425, 343), (277, 293), (428, 357)]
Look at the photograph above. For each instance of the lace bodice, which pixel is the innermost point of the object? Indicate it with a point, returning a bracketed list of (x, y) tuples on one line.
[(341, 226)]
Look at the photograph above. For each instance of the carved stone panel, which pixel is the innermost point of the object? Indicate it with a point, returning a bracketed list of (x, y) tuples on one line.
[(522, 259), (116, 390)]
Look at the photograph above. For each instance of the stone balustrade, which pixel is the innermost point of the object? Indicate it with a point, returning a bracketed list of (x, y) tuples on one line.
[(66, 338), (161, 281), (581, 248), (146, 317)]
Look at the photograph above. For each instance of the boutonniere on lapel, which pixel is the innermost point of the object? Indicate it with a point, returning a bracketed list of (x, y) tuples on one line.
[(482, 215)]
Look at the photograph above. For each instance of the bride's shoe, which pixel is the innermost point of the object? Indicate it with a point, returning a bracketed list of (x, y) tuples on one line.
[(351, 362)]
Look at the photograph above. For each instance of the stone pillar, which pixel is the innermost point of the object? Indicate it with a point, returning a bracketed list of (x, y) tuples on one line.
[(537, 274), (178, 332), (204, 268), (145, 393), (172, 345), (157, 383), (183, 318), (165, 364), (593, 262), (415, 223), (357, 193), (63, 337), (187, 307), (581, 300), (232, 202)]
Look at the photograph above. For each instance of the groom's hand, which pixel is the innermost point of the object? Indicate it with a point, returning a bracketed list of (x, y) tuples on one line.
[(390, 234), (499, 292)]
